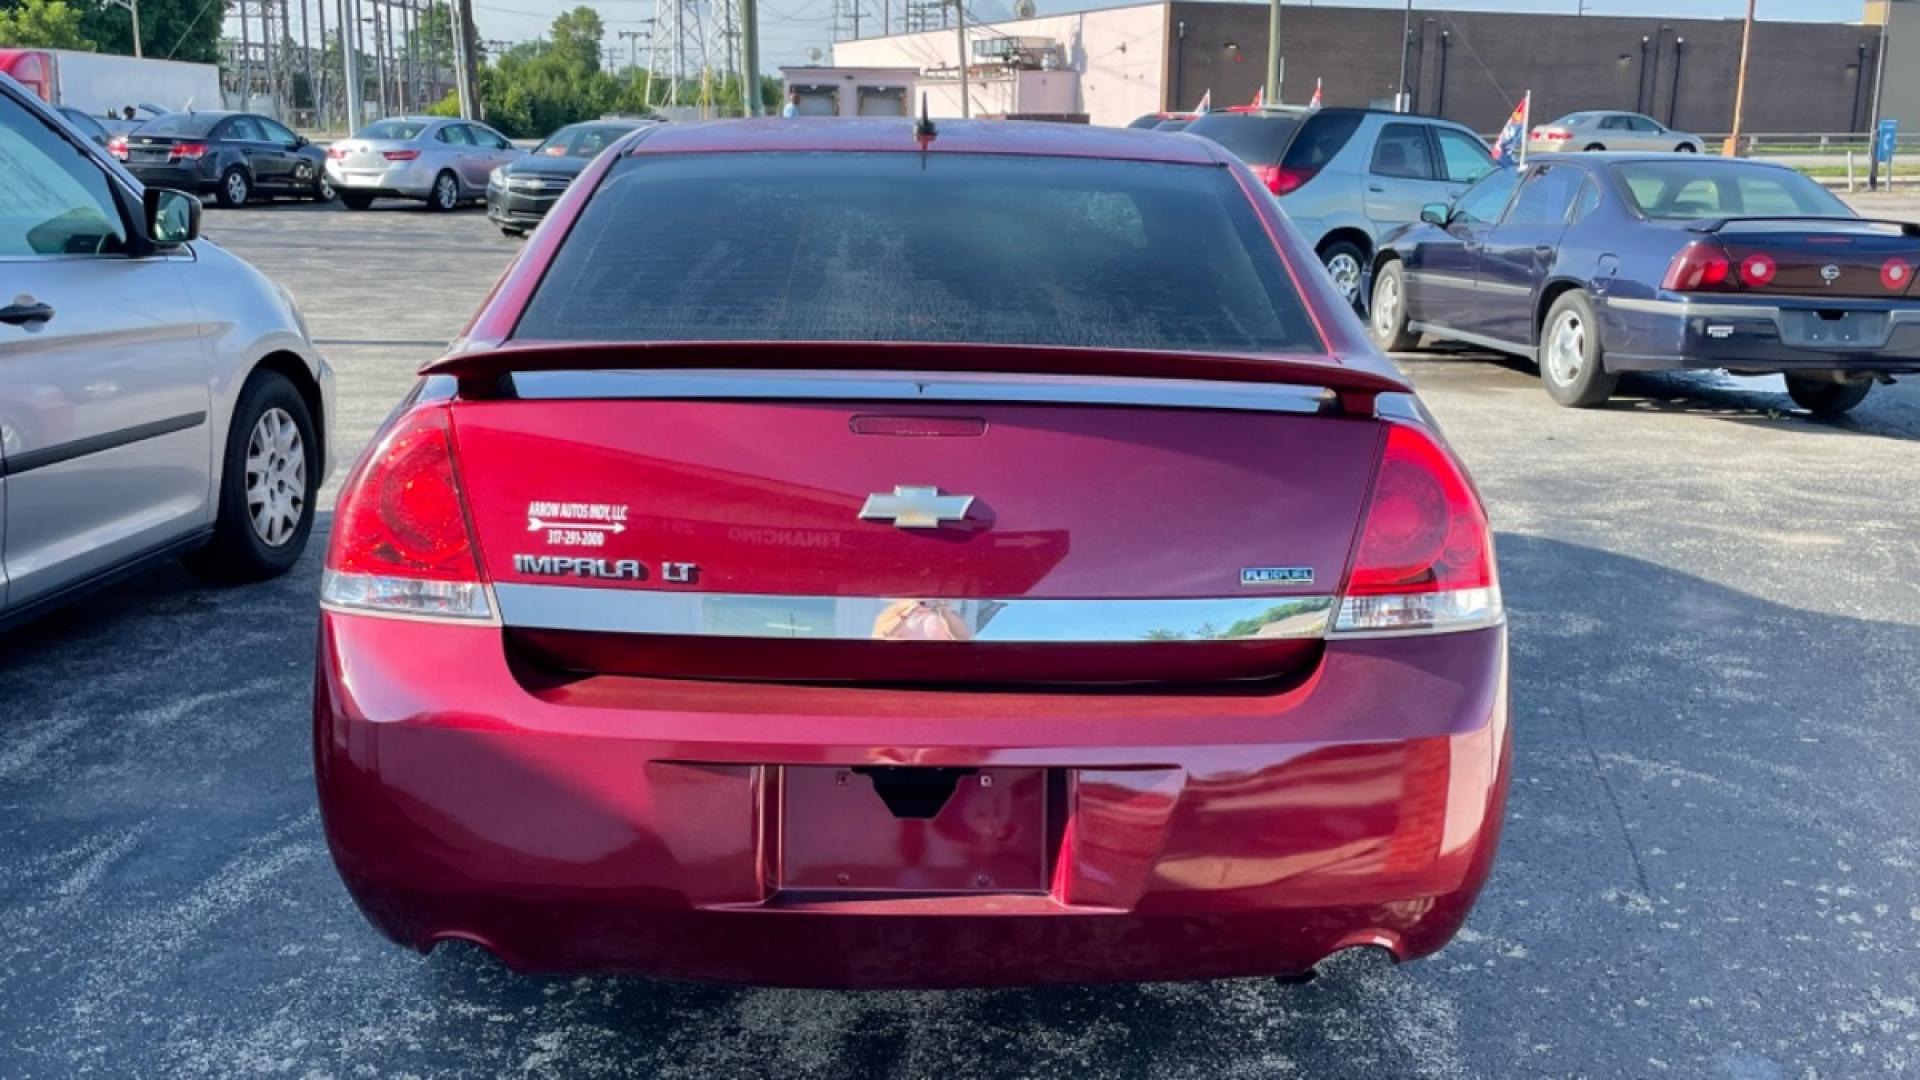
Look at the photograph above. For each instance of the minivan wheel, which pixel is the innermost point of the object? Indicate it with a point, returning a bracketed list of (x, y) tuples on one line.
[(1827, 397), (1572, 367), (1387, 318), (446, 192), (234, 189), (270, 473), (1343, 261)]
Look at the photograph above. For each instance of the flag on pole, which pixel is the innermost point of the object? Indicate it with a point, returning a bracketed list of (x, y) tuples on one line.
[(1206, 103), (1259, 97), (1510, 147), (1315, 103)]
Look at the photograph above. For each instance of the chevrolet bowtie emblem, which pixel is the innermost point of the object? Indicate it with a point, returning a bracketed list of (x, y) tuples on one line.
[(915, 507)]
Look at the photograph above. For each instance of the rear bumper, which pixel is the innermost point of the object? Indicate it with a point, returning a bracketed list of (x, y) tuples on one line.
[(404, 180), (635, 824), (1670, 334), (196, 178)]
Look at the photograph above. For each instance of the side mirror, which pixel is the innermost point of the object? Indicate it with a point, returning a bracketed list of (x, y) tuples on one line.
[(173, 217), (300, 142), (1434, 214)]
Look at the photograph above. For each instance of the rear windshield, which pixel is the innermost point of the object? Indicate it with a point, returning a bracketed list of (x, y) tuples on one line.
[(1323, 136), (396, 130), (584, 141), (180, 124), (990, 249), (1255, 138), (1690, 189)]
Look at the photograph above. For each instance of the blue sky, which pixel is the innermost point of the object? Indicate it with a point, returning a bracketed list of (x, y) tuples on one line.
[(791, 27)]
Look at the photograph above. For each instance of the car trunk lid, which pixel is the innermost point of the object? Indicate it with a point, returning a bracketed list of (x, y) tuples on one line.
[(920, 527), (1821, 257)]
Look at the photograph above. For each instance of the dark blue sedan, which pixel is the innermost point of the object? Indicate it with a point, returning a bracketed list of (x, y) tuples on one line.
[(1596, 264)]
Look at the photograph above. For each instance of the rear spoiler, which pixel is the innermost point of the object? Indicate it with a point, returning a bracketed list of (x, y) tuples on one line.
[(1714, 225), (1354, 383)]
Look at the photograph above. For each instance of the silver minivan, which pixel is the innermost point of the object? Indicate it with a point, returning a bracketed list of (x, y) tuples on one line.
[(1347, 176), (158, 396)]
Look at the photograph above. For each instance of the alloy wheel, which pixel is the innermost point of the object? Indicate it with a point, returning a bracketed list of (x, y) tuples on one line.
[(276, 477), (1566, 348), (1386, 306), (1344, 269), (445, 194), (236, 187)]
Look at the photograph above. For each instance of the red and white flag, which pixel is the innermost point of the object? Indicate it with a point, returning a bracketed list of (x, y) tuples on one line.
[(1206, 103), (1259, 97), (1315, 103)]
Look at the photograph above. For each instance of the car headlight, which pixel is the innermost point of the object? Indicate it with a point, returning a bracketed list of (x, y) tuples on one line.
[(497, 178)]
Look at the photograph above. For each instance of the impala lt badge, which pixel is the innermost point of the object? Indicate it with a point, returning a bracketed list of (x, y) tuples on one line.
[(1830, 272), (911, 507)]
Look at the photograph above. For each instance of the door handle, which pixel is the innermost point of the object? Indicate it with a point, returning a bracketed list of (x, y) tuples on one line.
[(30, 312), (1375, 187), (1543, 249)]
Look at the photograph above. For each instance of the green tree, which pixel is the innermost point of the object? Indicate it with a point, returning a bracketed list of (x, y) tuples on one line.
[(577, 35), (169, 29), (43, 24)]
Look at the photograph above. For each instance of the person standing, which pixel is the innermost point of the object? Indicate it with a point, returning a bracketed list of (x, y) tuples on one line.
[(792, 107)]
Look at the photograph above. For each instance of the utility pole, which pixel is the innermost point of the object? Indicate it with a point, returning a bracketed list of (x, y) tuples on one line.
[(960, 34), (466, 63), (750, 56), (1402, 100), (1276, 67), (1879, 79), (1732, 146), (133, 7), (350, 61)]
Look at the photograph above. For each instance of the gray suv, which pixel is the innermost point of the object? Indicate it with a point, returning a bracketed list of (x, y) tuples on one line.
[(1348, 176)]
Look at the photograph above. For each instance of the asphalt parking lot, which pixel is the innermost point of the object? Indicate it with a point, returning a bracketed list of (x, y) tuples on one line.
[(1711, 866)]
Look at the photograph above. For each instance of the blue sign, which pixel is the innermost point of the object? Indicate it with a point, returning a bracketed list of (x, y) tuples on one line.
[(1883, 140)]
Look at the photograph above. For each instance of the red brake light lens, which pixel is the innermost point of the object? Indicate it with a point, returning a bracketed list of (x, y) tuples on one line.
[(117, 146), (1287, 179), (1699, 268), (1757, 269), (191, 151), (400, 155), (1425, 559), (335, 153), (1896, 275), (401, 539)]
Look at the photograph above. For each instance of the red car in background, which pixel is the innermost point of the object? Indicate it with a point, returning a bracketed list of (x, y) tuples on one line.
[(842, 554)]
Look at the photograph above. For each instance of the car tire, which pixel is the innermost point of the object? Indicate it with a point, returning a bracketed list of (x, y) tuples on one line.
[(1345, 263), (1826, 398), (261, 530), (445, 193), (1387, 311), (323, 189), (1572, 360), (1686, 148), (1590, 147), (355, 200), (235, 189)]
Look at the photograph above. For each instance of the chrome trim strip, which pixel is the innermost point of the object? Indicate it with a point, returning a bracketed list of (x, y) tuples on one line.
[(920, 387), (865, 618), (1689, 307)]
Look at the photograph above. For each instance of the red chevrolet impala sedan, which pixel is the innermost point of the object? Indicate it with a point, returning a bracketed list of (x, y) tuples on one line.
[(841, 554)]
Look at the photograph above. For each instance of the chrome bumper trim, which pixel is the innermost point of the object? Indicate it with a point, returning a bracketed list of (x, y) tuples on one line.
[(864, 618)]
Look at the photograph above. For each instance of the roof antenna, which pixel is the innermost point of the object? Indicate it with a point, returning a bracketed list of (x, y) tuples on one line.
[(923, 129)]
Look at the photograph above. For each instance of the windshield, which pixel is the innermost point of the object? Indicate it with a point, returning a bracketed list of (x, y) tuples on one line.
[(1686, 190), (582, 141), (1573, 119), (997, 249), (181, 124), (393, 130)]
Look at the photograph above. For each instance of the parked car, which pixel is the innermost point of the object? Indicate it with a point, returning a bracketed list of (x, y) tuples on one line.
[(438, 161), (236, 157), (1155, 119), (84, 124), (1596, 264), (160, 397), (1348, 176), (1610, 131), (738, 602), (521, 192)]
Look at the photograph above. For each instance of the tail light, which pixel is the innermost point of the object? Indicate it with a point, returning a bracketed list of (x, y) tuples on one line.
[(1757, 269), (1425, 561), (1895, 274), (117, 146), (400, 155), (1553, 136), (336, 153), (1700, 267), (1281, 179), (188, 151), (402, 542)]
